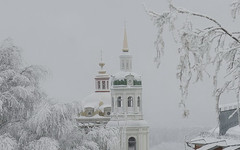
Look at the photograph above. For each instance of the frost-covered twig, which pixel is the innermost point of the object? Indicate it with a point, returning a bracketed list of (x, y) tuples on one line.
[(206, 17)]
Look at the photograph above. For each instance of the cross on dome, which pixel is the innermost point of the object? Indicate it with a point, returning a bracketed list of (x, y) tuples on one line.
[(101, 64)]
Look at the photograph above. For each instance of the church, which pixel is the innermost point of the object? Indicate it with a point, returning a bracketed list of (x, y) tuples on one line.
[(117, 102)]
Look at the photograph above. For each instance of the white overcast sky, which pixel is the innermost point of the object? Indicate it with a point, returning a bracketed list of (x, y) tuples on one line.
[(66, 37)]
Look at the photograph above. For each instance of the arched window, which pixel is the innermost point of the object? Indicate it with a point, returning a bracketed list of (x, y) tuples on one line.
[(138, 102), (119, 101), (131, 143), (130, 101)]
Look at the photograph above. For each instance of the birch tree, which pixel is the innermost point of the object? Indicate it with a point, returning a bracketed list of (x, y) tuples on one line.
[(201, 47)]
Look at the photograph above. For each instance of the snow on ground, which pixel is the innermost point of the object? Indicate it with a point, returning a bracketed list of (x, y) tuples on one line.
[(168, 146), (172, 139)]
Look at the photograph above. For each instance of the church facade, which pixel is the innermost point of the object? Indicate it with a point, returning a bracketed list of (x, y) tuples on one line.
[(123, 98)]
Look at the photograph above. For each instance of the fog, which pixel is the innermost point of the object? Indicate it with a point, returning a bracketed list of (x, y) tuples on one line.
[(66, 37)]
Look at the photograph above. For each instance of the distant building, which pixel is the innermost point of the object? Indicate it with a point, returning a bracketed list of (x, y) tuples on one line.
[(225, 137), (96, 108)]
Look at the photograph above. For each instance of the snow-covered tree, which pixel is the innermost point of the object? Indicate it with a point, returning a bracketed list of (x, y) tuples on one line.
[(19, 94), (19, 85), (201, 47), (30, 121)]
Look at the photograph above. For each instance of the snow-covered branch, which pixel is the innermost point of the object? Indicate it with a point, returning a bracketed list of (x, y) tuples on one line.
[(206, 17), (235, 8), (200, 47)]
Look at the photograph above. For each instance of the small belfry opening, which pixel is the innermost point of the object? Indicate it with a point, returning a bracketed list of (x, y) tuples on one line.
[(131, 143)]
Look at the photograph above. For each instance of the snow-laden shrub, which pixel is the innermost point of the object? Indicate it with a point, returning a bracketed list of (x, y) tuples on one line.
[(97, 138), (106, 137), (53, 120), (72, 140), (91, 145), (44, 143), (7, 142)]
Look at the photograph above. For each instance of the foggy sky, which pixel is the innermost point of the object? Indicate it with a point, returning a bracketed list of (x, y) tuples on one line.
[(66, 37)]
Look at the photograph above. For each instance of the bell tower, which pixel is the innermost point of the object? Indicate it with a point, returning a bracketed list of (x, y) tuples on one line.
[(126, 93)]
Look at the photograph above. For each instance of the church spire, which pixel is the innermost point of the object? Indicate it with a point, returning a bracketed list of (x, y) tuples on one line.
[(125, 57), (125, 43)]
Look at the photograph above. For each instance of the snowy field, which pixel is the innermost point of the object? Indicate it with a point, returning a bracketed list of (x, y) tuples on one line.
[(172, 139)]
